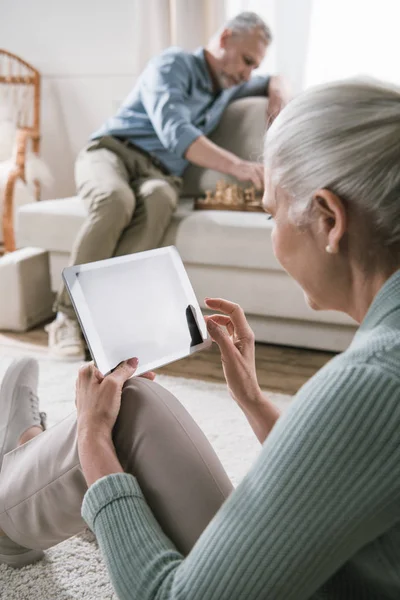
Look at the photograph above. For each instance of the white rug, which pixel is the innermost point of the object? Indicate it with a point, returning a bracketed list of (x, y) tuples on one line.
[(74, 569)]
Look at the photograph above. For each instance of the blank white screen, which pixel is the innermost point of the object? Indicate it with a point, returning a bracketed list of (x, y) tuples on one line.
[(139, 308)]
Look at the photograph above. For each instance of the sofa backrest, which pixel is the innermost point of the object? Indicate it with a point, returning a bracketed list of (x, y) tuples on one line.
[(241, 131)]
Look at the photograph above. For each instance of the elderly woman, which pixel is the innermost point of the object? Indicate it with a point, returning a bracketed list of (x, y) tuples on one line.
[(318, 514)]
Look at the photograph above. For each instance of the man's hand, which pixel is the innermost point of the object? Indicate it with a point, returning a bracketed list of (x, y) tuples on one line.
[(279, 95), (245, 170), (205, 153)]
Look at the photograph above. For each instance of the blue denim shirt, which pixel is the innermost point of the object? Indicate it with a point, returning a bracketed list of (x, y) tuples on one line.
[(172, 104)]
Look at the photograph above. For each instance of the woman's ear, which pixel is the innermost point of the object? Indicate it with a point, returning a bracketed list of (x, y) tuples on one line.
[(331, 216)]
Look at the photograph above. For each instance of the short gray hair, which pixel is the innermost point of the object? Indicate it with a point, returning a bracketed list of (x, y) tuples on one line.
[(343, 136), (245, 22)]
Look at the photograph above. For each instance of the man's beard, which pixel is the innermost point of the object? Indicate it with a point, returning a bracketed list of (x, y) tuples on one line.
[(226, 81)]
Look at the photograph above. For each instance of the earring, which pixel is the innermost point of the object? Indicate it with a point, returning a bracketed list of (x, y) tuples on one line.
[(329, 249)]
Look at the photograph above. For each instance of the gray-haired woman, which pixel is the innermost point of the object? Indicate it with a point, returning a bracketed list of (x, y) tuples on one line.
[(318, 515)]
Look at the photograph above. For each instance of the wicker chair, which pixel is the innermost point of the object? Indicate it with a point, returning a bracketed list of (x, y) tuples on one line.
[(20, 91)]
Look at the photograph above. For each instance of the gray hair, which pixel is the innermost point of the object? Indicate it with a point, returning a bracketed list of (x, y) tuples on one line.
[(245, 22), (345, 137)]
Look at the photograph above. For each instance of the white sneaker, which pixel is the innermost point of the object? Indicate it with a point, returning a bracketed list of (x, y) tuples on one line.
[(19, 410), (65, 340), (19, 403), (16, 556)]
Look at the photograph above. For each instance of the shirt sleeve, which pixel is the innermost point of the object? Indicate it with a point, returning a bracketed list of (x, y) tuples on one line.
[(164, 92), (256, 86), (325, 485)]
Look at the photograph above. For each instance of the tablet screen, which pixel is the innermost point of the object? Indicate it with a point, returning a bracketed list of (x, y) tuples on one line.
[(139, 305)]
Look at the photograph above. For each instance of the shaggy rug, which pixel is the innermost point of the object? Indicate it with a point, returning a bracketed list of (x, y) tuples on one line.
[(74, 569)]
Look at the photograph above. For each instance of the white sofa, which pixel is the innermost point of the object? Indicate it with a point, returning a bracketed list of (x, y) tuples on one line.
[(227, 254)]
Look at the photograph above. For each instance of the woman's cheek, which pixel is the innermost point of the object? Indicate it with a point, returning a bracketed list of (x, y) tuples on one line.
[(281, 246), (275, 244)]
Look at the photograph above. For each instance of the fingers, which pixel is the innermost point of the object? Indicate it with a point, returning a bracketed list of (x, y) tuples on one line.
[(235, 313), (124, 371), (149, 375), (88, 370), (99, 376), (260, 171), (222, 320), (223, 340), (257, 176)]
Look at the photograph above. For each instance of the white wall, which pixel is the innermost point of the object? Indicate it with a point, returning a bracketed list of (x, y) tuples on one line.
[(85, 51), (293, 23)]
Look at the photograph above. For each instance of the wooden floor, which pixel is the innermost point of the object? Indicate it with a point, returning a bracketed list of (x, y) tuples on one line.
[(279, 368)]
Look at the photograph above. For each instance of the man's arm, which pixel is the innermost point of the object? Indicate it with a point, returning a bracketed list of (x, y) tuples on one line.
[(275, 87), (164, 96), (204, 153), (256, 86)]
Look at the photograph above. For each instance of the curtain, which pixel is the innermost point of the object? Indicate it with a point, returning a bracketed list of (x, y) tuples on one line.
[(185, 23), (360, 37)]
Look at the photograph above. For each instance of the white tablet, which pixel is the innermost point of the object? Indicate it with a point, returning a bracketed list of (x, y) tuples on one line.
[(141, 305)]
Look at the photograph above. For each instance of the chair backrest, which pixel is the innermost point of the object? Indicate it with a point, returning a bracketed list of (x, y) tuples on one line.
[(20, 95)]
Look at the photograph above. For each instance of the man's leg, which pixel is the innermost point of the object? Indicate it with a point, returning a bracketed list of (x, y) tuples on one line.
[(42, 485), (103, 184), (157, 199)]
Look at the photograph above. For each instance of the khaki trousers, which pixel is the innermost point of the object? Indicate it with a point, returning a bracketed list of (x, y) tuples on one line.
[(130, 203), (184, 483)]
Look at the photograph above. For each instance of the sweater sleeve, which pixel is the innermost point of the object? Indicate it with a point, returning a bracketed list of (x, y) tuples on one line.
[(326, 483)]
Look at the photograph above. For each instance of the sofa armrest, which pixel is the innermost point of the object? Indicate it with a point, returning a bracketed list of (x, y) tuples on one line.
[(241, 131)]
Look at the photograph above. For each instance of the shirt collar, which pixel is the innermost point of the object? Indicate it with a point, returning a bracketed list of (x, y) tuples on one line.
[(206, 76), (386, 304)]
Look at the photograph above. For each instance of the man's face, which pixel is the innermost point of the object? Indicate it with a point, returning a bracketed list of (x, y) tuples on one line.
[(241, 54)]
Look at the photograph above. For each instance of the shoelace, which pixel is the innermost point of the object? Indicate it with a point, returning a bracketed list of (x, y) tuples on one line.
[(34, 402), (69, 328)]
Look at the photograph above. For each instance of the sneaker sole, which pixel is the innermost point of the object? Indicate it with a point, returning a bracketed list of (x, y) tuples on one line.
[(16, 561), (66, 357), (7, 386)]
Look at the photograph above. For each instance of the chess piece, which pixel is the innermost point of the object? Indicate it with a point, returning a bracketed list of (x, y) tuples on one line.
[(250, 196), (235, 194), (228, 195), (220, 191), (209, 197)]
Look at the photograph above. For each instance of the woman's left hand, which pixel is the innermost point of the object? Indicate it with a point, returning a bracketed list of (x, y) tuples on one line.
[(98, 398)]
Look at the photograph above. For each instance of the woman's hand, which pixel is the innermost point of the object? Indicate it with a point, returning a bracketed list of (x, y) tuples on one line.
[(98, 398), (235, 339)]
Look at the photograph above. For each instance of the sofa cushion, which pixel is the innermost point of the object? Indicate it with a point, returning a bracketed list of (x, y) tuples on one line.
[(50, 224), (222, 238), (227, 238), (241, 131)]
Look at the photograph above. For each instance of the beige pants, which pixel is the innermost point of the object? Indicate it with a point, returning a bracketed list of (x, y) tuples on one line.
[(130, 203), (42, 485)]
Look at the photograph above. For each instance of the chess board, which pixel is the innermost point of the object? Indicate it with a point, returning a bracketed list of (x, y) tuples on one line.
[(230, 197)]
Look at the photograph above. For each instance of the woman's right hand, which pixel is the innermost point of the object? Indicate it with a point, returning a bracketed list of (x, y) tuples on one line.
[(235, 340)]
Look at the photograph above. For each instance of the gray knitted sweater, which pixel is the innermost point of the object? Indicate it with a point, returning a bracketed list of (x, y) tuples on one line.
[(317, 516)]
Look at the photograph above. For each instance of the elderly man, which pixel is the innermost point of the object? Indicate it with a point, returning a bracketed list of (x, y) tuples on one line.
[(129, 175)]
